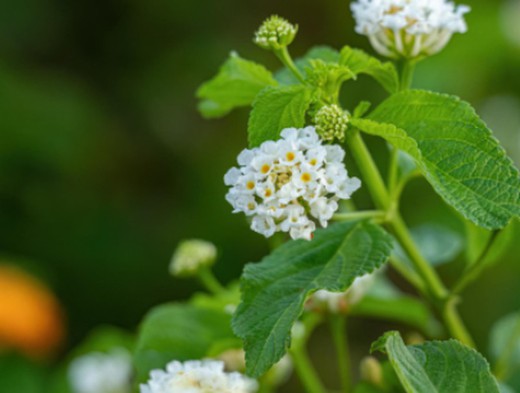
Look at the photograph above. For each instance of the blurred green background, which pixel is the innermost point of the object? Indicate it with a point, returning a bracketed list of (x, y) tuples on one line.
[(105, 163)]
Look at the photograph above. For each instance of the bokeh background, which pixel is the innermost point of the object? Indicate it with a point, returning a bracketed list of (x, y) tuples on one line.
[(105, 163)]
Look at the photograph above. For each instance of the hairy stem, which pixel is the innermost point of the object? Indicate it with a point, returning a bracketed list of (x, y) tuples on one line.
[(286, 59), (339, 336), (377, 214)]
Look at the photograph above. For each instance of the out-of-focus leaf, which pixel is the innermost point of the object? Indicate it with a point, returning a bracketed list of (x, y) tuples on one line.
[(505, 346), (275, 289), (178, 332)]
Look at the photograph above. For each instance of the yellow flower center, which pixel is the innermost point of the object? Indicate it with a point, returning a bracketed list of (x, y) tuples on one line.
[(250, 185), (313, 161), (265, 168), (306, 177), (290, 156)]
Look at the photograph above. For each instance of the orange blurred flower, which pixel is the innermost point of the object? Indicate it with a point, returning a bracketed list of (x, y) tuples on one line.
[(31, 319)]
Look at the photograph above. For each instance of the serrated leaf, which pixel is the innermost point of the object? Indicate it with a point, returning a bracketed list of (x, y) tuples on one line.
[(325, 53), (178, 332), (505, 346), (274, 290), (236, 84), (437, 366), (454, 149), (276, 108), (360, 62)]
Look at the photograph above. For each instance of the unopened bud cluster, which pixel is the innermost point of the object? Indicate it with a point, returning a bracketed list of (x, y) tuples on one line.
[(331, 123), (275, 33), (191, 256)]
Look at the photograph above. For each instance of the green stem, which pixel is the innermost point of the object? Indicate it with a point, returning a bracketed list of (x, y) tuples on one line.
[(393, 169), (339, 336), (472, 273), (454, 323), (383, 201), (286, 59), (209, 281), (407, 74), (306, 372), (351, 216)]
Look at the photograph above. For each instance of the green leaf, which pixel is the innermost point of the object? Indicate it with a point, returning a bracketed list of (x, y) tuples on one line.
[(178, 332), (274, 290), (237, 84), (19, 375), (456, 152), (276, 108), (437, 366), (104, 339), (325, 53), (437, 243), (505, 346), (360, 62)]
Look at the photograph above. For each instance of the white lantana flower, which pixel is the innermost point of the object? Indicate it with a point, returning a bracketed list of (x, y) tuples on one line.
[(102, 372), (339, 302), (409, 28), (206, 376), (291, 184)]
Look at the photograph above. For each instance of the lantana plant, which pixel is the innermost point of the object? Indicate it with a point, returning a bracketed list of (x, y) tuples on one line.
[(330, 260)]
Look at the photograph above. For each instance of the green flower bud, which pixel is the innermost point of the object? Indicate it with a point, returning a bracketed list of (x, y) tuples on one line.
[(371, 371), (331, 123), (275, 33), (191, 256)]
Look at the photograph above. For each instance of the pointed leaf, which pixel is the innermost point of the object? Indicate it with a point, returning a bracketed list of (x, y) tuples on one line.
[(274, 290), (437, 366), (360, 62), (456, 152), (276, 108), (236, 84)]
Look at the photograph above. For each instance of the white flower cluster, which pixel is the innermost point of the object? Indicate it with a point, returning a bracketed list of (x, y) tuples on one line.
[(339, 302), (102, 372), (288, 184), (409, 28), (206, 376)]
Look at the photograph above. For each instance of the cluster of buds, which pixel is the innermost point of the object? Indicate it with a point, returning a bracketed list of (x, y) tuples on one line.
[(191, 256), (275, 33), (409, 28), (331, 123)]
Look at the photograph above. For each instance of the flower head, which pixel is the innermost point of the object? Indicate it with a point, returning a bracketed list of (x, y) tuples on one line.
[(195, 376), (339, 302), (275, 33), (409, 28), (331, 123), (192, 255), (291, 184), (102, 372)]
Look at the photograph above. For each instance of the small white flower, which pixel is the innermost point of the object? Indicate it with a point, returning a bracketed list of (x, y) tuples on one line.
[(195, 376), (409, 28), (339, 302), (290, 184), (102, 372), (275, 33)]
